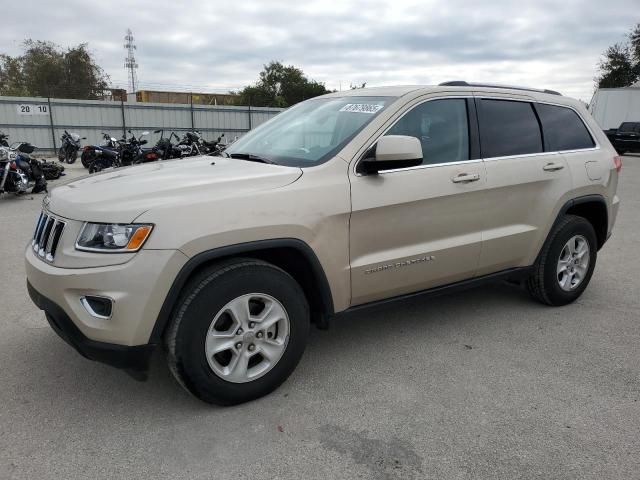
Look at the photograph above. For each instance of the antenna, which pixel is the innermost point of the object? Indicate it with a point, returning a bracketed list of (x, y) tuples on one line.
[(130, 62)]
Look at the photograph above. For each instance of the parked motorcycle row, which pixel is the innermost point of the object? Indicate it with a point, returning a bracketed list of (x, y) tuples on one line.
[(20, 171), (112, 152)]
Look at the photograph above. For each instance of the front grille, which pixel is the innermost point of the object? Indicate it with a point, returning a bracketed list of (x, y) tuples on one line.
[(47, 236)]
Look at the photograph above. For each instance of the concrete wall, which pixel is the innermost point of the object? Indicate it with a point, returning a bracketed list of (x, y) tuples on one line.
[(39, 120)]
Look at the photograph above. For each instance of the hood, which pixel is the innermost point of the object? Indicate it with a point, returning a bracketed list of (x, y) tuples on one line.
[(120, 195)]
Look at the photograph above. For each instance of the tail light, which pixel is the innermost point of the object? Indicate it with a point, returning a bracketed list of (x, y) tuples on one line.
[(86, 147), (152, 156), (617, 162), (13, 166)]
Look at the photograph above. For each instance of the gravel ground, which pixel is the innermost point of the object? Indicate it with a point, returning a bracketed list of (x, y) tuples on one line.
[(480, 384)]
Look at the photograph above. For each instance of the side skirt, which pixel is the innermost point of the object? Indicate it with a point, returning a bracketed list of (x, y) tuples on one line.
[(513, 275)]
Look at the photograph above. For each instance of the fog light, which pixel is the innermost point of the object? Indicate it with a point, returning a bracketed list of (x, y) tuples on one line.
[(99, 307)]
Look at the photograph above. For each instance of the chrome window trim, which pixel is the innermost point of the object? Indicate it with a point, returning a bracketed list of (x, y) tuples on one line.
[(462, 96)]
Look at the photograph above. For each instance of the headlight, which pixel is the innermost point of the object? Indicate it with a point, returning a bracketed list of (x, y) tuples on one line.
[(112, 237)]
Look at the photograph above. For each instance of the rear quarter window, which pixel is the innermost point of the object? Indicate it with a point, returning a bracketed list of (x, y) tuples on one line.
[(563, 129)]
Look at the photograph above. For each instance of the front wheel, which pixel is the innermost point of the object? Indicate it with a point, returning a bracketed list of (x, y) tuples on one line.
[(565, 264), (61, 154), (239, 331), (71, 156)]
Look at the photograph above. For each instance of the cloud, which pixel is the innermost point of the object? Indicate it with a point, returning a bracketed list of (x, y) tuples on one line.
[(222, 45)]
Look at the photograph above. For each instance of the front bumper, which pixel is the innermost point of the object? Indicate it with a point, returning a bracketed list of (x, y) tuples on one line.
[(133, 359)]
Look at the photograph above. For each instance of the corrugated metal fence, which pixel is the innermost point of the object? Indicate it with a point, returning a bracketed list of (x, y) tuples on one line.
[(41, 121)]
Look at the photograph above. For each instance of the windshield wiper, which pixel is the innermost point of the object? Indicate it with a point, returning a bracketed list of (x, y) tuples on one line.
[(251, 157)]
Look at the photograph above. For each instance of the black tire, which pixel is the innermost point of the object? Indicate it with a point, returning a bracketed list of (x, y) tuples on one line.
[(87, 158), (71, 157), (96, 167), (204, 296), (543, 284), (61, 154)]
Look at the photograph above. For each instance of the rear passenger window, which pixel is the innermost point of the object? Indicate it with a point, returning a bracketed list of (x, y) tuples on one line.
[(442, 128), (563, 129), (508, 128)]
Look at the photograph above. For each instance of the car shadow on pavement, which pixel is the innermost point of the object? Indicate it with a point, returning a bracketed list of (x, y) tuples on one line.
[(352, 338)]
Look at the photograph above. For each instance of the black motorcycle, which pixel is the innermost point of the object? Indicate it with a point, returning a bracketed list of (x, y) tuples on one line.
[(68, 151), (108, 147), (129, 152), (19, 171), (164, 148)]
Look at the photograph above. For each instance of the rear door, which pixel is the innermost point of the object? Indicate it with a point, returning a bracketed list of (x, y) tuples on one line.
[(419, 227), (524, 185)]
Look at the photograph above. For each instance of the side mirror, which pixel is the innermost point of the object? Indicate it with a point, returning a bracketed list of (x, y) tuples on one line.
[(157, 131), (146, 132), (390, 152), (143, 142)]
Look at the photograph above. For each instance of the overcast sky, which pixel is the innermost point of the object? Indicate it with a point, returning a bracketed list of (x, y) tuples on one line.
[(222, 45)]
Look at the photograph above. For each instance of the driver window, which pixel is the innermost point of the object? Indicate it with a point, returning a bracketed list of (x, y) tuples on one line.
[(442, 128)]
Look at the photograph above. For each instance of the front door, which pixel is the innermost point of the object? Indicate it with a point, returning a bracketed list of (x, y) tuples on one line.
[(420, 227)]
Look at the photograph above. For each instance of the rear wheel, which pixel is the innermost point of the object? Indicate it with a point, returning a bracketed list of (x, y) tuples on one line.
[(87, 158), (239, 331), (565, 265)]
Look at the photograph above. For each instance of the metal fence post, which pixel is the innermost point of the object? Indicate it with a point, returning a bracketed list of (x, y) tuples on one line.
[(249, 113), (124, 122), (193, 125), (53, 130)]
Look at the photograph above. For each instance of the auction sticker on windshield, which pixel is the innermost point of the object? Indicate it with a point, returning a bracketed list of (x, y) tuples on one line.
[(362, 107)]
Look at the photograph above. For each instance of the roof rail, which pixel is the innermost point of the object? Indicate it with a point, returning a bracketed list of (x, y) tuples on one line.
[(462, 83)]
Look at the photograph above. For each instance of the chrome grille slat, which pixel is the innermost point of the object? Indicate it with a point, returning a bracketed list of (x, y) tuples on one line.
[(47, 236)]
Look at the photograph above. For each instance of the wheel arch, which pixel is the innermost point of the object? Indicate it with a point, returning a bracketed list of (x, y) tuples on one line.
[(592, 208), (292, 255)]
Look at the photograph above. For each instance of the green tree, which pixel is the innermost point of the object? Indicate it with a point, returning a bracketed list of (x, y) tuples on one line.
[(280, 86), (45, 69), (620, 66)]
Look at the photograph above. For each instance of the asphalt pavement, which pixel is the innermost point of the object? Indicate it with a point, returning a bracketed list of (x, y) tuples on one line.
[(480, 384)]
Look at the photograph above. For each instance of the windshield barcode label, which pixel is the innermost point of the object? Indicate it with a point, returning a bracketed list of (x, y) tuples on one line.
[(361, 107)]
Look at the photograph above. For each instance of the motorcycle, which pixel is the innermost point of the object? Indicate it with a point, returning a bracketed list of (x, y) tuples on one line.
[(68, 151), (190, 145), (4, 140), (216, 147), (164, 148), (129, 152), (19, 171), (108, 147)]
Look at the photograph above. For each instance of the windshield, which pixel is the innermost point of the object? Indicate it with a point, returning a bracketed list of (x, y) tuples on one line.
[(310, 132)]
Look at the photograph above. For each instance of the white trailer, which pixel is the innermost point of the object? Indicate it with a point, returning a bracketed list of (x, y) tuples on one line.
[(612, 106)]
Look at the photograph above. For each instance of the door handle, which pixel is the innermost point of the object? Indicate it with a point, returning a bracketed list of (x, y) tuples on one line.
[(466, 178), (552, 167)]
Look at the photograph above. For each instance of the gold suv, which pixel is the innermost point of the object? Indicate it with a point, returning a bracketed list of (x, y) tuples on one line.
[(340, 202)]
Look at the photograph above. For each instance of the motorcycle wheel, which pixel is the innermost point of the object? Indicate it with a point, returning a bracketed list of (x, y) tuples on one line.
[(61, 154), (87, 158), (71, 157), (95, 167)]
